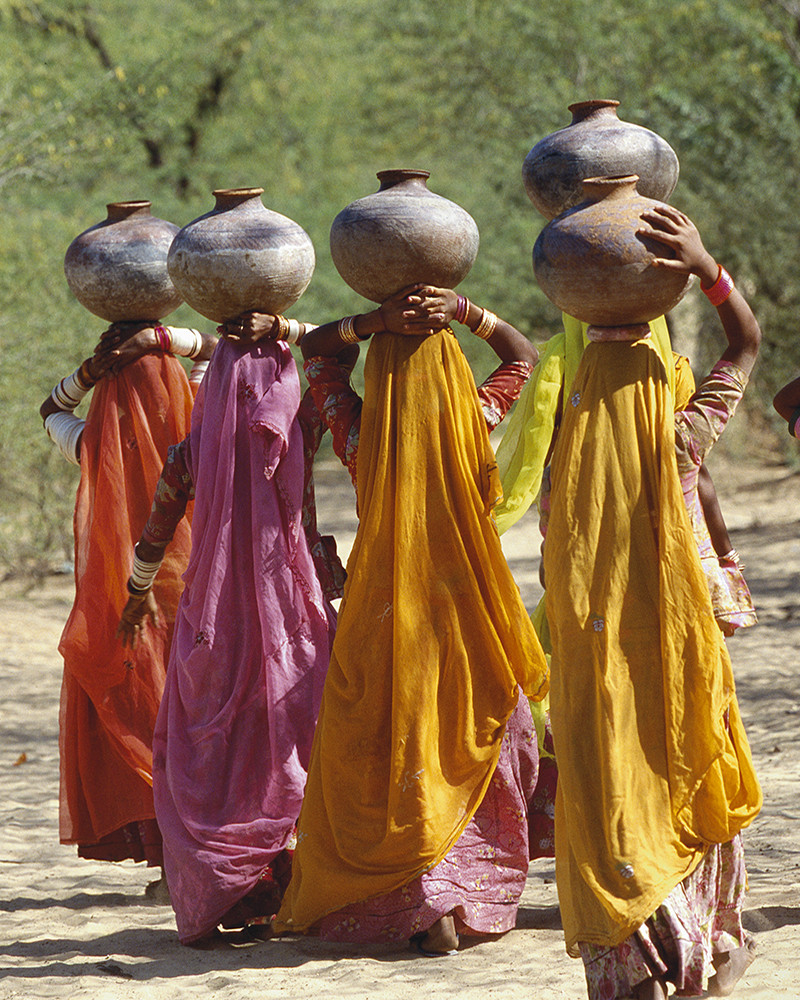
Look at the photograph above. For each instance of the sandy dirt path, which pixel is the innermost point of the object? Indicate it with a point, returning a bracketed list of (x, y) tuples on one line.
[(72, 928)]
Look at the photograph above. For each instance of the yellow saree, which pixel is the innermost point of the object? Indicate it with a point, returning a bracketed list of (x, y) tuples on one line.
[(432, 641), (522, 453), (650, 773)]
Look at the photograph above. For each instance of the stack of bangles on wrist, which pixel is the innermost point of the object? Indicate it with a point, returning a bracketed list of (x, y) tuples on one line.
[(347, 331), (733, 557), (462, 309), (487, 325), (71, 390), (721, 289), (184, 343), (142, 576), (63, 428), (291, 330)]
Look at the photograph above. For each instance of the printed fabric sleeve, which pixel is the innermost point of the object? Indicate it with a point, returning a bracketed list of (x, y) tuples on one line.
[(339, 404), (698, 426), (173, 492), (323, 547), (501, 389)]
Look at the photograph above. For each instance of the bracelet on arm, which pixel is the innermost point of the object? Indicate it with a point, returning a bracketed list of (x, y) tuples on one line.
[(71, 390), (64, 429), (721, 288), (347, 330), (462, 309), (142, 576), (163, 338), (198, 370), (732, 557), (282, 324), (185, 343), (487, 325)]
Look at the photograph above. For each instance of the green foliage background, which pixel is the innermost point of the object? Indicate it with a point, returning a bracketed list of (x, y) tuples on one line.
[(111, 100)]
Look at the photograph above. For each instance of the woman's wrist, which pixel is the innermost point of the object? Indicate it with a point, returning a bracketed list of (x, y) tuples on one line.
[(354, 329), (143, 574), (707, 271), (71, 390), (720, 289), (482, 322)]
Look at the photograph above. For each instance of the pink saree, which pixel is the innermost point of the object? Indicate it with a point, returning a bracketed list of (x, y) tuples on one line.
[(251, 646)]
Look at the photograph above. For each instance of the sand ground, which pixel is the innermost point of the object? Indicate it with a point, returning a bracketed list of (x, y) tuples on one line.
[(73, 928)]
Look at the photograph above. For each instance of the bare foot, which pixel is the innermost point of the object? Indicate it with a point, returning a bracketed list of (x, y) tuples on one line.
[(441, 938), (651, 989), (731, 966), (158, 891)]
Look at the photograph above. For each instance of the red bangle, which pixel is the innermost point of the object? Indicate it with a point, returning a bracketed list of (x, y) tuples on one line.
[(721, 288), (163, 338)]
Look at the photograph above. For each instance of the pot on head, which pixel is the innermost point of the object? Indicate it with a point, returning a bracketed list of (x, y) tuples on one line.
[(400, 235)]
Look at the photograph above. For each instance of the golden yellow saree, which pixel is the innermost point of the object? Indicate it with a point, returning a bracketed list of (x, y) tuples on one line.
[(653, 762), (432, 641)]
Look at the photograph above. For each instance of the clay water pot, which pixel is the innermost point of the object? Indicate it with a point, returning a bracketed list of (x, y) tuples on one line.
[(596, 143), (241, 256), (402, 234), (118, 268), (591, 263)]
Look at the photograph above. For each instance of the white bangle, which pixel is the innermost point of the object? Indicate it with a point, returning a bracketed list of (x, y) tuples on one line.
[(295, 333), (197, 372), (185, 343), (64, 429), (142, 574), (69, 392)]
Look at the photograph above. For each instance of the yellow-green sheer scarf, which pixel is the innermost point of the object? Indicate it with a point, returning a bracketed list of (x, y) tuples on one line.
[(522, 453), (432, 641), (649, 773)]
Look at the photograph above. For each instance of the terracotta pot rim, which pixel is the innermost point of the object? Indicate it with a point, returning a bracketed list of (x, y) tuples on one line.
[(593, 103), (238, 192), (396, 175), (613, 182), (118, 210), (133, 203)]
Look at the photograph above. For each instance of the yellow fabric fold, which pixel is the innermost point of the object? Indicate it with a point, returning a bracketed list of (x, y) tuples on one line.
[(523, 450), (432, 642), (649, 773)]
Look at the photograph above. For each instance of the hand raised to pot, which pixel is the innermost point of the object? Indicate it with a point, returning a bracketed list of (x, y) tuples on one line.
[(676, 230), (250, 327), (419, 310)]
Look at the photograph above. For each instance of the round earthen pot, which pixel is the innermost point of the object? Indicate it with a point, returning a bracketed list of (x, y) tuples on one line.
[(241, 256), (592, 264), (118, 268), (596, 144), (400, 235)]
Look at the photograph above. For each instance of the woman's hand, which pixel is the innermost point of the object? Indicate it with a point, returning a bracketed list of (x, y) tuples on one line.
[(671, 227), (250, 327), (133, 617), (419, 310), (119, 346)]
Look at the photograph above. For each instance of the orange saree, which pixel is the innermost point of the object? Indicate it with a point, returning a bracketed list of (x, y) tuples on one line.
[(110, 695)]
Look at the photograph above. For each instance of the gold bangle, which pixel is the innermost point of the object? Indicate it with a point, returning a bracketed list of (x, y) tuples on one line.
[(487, 325), (347, 330), (283, 327)]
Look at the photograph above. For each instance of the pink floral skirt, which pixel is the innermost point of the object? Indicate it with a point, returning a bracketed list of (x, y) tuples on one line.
[(700, 918), (481, 878)]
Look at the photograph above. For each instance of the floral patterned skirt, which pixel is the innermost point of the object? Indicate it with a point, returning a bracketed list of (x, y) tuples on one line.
[(700, 918), (481, 878)]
